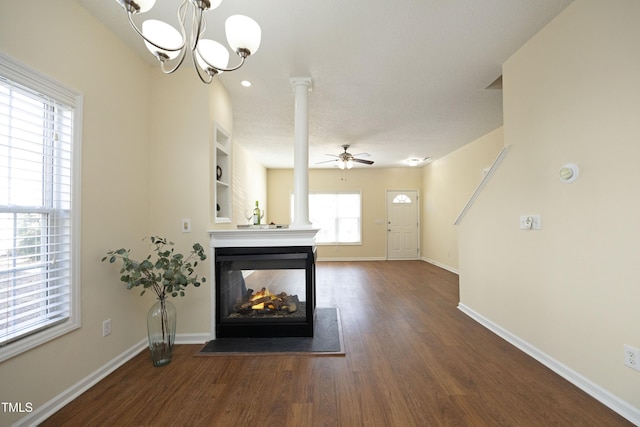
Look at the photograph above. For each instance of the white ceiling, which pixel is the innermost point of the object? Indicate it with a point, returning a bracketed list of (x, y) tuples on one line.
[(396, 79)]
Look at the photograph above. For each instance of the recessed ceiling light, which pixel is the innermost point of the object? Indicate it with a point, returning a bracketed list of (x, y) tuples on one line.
[(416, 161), (245, 83)]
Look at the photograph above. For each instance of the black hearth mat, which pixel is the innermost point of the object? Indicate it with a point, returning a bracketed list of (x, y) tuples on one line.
[(326, 341)]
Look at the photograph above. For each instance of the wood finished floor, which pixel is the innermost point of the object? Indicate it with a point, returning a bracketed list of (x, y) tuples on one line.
[(413, 359)]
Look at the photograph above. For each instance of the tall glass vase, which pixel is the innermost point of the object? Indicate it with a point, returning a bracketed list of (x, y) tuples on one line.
[(161, 327)]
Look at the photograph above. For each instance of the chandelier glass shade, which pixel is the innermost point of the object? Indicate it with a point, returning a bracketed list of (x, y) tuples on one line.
[(209, 57)]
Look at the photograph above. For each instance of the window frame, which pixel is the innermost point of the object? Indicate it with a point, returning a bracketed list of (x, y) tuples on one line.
[(12, 70), (351, 192)]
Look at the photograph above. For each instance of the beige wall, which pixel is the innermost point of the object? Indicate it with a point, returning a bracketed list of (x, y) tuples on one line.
[(571, 94), (371, 182), (180, 176), (249, 185), (184, 111), (79, 52), (145, 165), (448, 184)]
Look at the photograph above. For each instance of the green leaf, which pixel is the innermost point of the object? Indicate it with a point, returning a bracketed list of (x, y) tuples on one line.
[(168, 274)]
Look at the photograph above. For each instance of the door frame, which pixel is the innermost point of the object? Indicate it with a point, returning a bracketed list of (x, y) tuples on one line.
[(386, 224)]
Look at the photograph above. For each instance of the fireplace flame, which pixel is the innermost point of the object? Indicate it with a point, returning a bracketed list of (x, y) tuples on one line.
[(264, 296), (265, 300)]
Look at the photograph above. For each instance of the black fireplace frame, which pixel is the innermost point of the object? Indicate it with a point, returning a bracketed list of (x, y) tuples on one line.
[(265, 258)]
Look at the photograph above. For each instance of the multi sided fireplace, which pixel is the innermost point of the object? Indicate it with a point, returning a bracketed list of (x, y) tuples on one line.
[(265, 291)]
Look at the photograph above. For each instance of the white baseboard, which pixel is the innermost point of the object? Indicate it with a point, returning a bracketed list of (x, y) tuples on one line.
[(45, 411), (441, 265), (618, 405), (52, 406), (192, 338), (352, 259)]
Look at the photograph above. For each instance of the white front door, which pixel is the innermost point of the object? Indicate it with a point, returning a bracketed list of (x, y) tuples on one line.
[(402, 224)]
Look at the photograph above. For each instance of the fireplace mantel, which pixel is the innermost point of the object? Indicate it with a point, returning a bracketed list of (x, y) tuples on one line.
[(267, 237)]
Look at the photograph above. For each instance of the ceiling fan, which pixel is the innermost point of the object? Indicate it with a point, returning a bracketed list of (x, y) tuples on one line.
[(345, 160)]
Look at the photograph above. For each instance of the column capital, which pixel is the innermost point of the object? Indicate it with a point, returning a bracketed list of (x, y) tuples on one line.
[(301, 81)]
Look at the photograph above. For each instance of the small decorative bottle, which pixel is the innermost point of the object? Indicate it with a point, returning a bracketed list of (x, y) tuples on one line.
[(256, 215)]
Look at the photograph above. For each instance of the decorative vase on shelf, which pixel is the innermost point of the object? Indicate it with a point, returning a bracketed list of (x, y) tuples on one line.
[(161, 328)]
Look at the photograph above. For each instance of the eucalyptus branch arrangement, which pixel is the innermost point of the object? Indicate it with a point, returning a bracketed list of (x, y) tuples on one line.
[(169, 274)]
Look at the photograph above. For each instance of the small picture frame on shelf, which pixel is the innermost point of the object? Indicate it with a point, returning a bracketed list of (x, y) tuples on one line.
[(218, 172)]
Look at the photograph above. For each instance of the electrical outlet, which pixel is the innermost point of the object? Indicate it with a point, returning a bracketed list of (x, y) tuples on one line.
[(106, 327), (632, 357)]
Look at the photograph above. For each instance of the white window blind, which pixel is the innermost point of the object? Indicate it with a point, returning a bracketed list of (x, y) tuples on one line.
[(36, 216)]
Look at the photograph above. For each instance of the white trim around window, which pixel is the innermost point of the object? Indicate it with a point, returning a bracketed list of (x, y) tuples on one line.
[(52, 256), (338, 216)]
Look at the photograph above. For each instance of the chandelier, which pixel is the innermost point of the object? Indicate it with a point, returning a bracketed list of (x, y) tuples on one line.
[(209, 57)]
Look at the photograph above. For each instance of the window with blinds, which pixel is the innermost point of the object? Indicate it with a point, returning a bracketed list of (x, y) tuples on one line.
[(37, 218)]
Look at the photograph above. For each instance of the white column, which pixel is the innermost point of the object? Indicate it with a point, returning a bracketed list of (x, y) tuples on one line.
[(301, 87)]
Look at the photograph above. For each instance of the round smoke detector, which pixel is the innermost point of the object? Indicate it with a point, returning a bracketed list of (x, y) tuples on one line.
[(569, 173)]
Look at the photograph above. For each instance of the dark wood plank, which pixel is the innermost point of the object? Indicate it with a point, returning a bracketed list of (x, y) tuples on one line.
[(413, 359)]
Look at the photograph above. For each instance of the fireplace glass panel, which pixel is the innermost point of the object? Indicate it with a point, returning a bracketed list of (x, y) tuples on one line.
[(265, 292)]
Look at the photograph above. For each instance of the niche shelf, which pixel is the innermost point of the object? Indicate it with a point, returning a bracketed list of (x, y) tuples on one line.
[(221, 176)]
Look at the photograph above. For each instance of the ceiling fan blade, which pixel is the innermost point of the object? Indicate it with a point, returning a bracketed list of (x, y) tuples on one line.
[(332, 155), (327, 161), (366, 162), (362, 155)]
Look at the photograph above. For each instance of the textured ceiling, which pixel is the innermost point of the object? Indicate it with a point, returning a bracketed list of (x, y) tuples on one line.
[(396, 79)]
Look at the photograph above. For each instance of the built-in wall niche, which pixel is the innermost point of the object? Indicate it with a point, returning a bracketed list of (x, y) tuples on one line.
[(221, 163)]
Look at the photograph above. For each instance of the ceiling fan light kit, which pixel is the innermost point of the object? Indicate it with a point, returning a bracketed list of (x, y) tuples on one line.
[(345, 164), (346, 160), (209, 57)]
